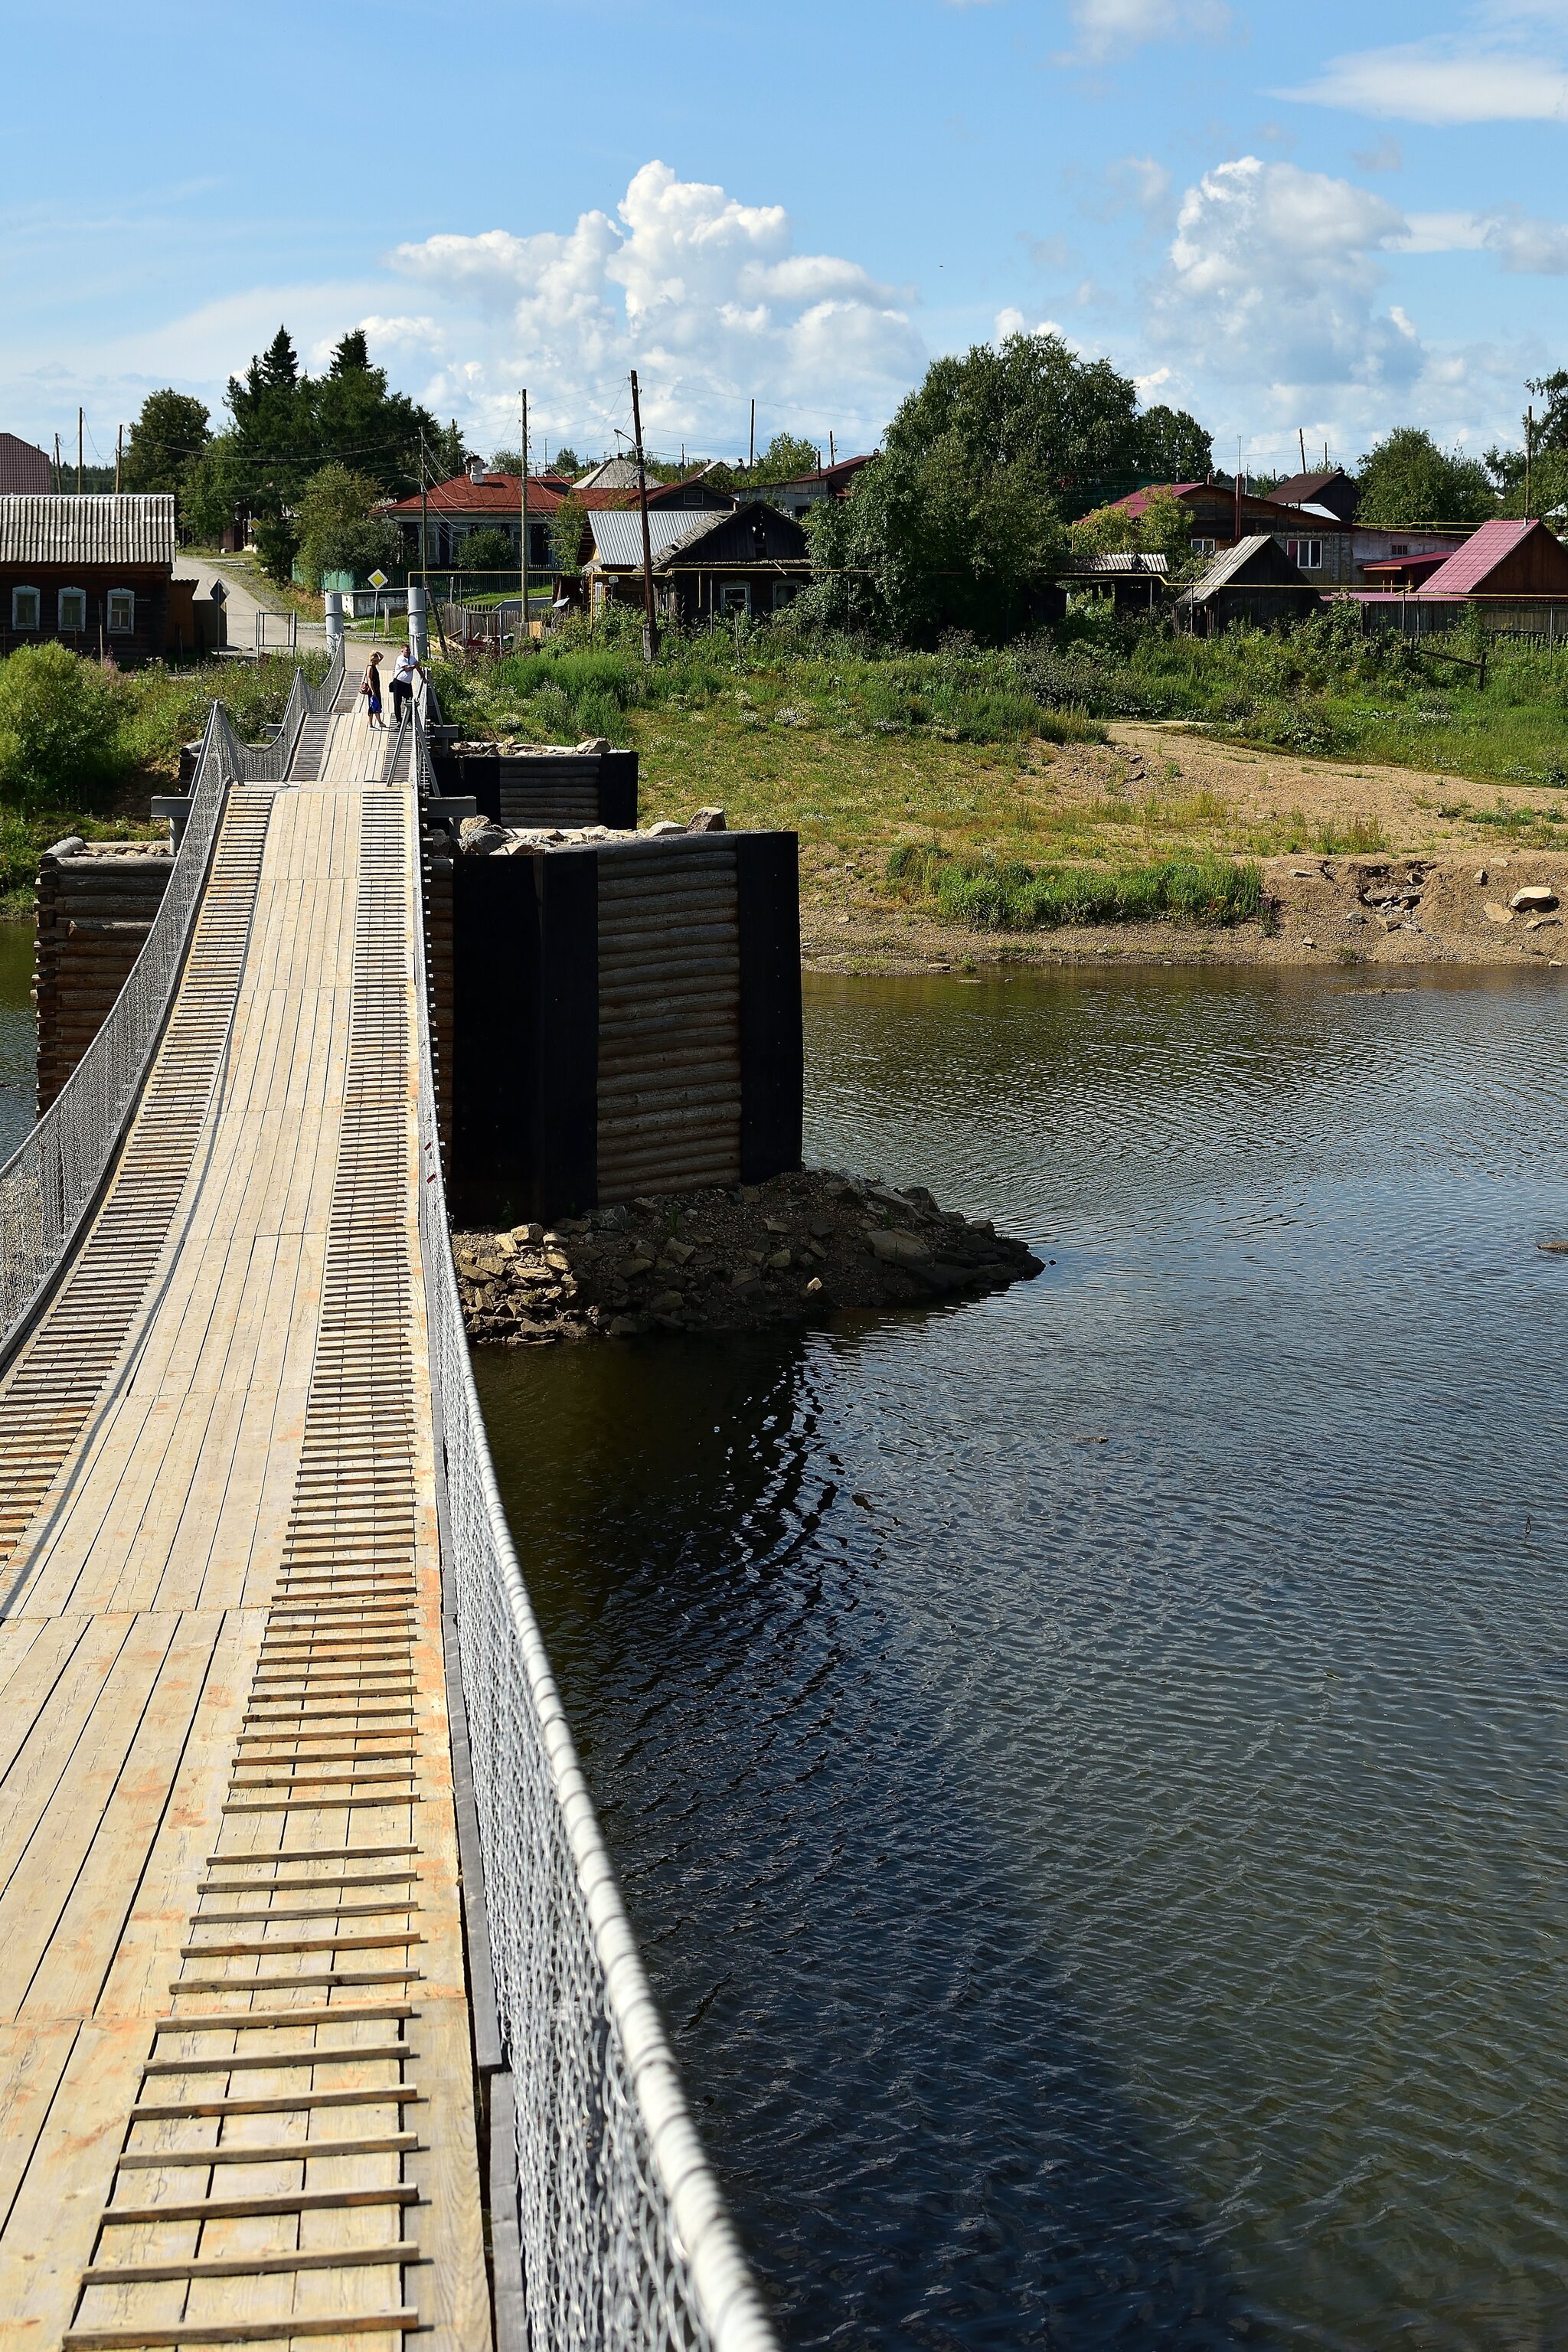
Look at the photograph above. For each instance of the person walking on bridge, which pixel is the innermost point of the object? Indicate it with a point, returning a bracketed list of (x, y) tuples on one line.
[(403, 678), (370, 687)]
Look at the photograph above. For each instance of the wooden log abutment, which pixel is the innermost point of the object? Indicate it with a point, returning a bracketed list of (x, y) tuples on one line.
[(96, 901), (608, 1019), (627, 1020)]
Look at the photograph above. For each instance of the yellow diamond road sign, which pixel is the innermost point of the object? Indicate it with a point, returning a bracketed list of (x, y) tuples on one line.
[(378, 579)]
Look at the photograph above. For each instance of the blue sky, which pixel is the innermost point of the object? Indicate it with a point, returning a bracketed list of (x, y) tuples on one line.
[(1330, 219)]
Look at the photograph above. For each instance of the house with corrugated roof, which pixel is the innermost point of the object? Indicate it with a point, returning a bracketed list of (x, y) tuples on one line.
[(1131, 577), (1504, 558), (95, 573), (705, 565), (1255, 581)]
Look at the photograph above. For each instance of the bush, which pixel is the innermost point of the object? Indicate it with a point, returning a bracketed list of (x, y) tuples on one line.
[(985, 895), (488, 551), (60, 728)]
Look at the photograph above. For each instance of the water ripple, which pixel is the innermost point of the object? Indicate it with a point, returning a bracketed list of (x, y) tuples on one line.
[(1086, 1769)]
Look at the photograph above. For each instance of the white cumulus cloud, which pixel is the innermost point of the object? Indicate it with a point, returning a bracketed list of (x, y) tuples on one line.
[(1273, 277), (703, 294)]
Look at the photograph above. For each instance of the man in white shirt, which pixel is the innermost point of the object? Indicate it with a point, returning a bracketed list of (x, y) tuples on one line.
[(403, 678)]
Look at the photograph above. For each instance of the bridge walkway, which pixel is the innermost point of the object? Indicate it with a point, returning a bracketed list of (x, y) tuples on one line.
[(236, 2085)]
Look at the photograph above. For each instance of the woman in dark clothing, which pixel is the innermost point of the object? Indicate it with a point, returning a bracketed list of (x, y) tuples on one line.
[(370, 687)]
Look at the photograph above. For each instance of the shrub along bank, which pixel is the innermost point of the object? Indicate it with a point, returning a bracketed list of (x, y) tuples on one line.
[(984, 894)]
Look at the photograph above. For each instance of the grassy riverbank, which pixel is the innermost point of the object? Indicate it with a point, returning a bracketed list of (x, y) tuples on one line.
[(1073, 784)]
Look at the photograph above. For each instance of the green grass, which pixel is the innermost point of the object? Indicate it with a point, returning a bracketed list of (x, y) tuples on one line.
[(987, 895), (1323, 689), (762, 681)]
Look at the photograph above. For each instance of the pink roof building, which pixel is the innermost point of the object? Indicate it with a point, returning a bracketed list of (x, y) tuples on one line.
[(1504, 558)]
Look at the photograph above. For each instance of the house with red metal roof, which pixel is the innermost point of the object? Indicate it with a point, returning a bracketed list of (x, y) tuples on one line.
[(1504, 558), (449, 513), (1318, 543)]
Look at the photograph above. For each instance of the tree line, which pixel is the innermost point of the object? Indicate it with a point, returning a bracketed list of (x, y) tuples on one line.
[(1006, 460)]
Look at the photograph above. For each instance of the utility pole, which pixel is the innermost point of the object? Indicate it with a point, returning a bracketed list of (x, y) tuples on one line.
[(832, 452), (1529, 453), (649, 625), (1237, 532), (523, 626), (752, 459), (1301, 437), (59, 466), (78, 434), (119, 455)]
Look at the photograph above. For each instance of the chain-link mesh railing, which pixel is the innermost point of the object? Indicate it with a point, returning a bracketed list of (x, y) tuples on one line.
[(50, 1181), (321, 698), (626, 2239)]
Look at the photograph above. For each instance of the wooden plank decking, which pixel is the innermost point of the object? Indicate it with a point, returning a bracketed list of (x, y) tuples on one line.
[(235, 2085)]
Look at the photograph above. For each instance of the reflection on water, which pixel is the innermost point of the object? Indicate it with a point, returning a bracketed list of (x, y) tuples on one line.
[(1086, 1766)]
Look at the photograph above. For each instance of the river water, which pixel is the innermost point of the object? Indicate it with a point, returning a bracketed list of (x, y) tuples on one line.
[(1086, 1766)]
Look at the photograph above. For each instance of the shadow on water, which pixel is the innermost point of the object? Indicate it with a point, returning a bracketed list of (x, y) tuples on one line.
[(921, 2140)]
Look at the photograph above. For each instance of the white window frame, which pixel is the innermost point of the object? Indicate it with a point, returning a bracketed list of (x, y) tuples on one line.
[(1306, 554), (37, 596), (114, 628), (67, 628), (735, 596), (1205, 547)]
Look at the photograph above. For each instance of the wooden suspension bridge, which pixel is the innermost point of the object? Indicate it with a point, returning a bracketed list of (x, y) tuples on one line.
[(237, 2090)]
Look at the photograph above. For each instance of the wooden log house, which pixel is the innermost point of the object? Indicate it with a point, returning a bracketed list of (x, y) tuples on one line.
[(96, 574)]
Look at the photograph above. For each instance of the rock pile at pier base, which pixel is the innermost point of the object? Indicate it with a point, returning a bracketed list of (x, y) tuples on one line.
[(736, 1260)]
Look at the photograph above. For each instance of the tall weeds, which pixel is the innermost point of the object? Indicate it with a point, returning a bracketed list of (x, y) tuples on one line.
[(987, 895)]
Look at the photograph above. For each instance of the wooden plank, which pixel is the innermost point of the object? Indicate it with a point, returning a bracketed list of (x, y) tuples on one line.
[(64, 1910)]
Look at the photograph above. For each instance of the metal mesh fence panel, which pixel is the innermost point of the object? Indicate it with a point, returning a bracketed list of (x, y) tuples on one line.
[(626, 2239), (50, 1182)]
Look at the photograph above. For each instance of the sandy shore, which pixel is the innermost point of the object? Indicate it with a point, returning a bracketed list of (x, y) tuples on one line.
[(1425, 901)]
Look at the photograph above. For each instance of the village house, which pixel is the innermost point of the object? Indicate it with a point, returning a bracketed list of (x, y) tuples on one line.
[(747, 559), (1253, 581), (1382, 555), (1132, 580), (96, 574), (1514, 572), (1333, 492), (1317, 541), (753, 560), (451, 513), (805, 490), (24, 470)]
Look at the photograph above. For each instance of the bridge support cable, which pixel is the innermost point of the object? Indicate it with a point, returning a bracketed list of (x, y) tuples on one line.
[(626, 2238)]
